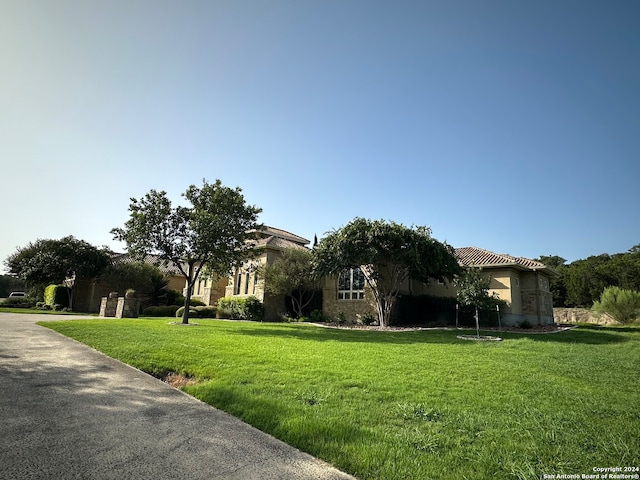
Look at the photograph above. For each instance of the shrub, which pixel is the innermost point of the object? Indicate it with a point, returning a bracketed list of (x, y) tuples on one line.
[(56, 295), (160, 311), (525, 324), (193, 313), (246, 308), (42, 306), (18, 302), (174, 297), (623, 305), (206, 311), (317, 316), (197, 303)]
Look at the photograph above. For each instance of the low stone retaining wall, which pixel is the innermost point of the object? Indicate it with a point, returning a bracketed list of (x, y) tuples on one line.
[(580, 315)]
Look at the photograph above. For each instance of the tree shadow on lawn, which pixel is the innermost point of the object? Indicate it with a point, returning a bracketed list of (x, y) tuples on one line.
[(576, 335), (436, 336)]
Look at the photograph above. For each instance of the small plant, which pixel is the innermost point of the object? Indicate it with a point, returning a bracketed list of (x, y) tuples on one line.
[(130, 293), (197, 303), (342, 318), (317, 316), (525, 325), (368, 319)]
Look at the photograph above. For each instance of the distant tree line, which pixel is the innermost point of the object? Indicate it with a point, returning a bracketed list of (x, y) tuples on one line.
[(582, 282)]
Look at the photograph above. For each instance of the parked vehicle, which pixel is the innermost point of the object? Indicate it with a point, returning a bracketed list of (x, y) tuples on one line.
[(17, 294)]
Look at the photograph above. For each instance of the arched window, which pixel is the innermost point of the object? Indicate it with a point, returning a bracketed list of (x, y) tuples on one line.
[(351, 284)]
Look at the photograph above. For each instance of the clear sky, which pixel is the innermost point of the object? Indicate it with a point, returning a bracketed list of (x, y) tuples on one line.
[(508, 125)]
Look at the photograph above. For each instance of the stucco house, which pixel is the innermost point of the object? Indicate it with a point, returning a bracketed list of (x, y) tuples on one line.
[(522, 283), (245, 281)]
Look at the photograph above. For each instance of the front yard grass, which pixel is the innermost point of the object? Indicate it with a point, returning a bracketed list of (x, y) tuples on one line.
[(406, 405)]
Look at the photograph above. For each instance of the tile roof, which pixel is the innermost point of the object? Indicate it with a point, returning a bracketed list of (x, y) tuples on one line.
[(277, 243), (277, 232), (474, 256), (167, 269)]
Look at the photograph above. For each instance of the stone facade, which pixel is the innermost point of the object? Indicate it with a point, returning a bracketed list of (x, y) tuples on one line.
[(127, 307), (109, 305)]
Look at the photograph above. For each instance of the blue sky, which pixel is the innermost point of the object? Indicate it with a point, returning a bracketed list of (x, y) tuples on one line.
[(511, 126)]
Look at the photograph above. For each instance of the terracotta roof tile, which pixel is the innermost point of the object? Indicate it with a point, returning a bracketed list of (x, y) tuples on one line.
[(474, 256)]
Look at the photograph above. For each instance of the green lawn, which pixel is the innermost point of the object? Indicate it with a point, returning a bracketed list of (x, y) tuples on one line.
[(410, 405)]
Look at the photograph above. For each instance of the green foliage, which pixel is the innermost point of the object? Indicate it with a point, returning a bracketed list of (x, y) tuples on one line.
[(56, 294), (192, 312), (205, 311), (388, 253), (53, 261), (583, 281), (212, 232), (525, 325), (18, 302), (623, 305), (160, 311), (291, 274), (241, 308), (197, 303), (174, 297), (473, 289), (317, 316)]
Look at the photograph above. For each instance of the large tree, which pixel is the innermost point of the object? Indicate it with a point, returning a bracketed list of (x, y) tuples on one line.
[(291, 274), (58, 261), (388, 253), (212, 232)]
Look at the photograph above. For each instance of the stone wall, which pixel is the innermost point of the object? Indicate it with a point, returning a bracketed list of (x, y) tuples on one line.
[(581, 315)]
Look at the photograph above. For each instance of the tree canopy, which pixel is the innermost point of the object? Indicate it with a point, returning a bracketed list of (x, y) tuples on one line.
[(55, 261), (388, 253), (212, 232)]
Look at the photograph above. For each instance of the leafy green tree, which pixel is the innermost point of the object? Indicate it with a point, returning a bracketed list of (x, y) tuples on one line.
[(623, 305), (473, 291), (388, 254), (291, 274), (211, 233), (45, 262)]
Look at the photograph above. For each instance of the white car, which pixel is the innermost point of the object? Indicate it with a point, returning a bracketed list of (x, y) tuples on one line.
[(17, 294)]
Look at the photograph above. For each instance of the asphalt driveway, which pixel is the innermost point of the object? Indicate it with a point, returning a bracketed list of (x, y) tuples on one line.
[(68, 411)]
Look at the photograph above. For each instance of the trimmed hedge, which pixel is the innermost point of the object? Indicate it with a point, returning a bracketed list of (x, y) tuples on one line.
[(436, 311), (242, 308), (206, 311), (160, 311), (18, 302), (56, 295)]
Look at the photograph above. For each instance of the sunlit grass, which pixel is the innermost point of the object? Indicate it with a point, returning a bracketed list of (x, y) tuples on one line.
[(410, 405)]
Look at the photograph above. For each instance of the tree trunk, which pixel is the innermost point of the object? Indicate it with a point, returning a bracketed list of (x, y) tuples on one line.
[(187, 304), (187, 297)]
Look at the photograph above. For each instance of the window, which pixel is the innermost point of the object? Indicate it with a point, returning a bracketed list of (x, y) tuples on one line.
[(255, 282), (246, 284), (351, 285)]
